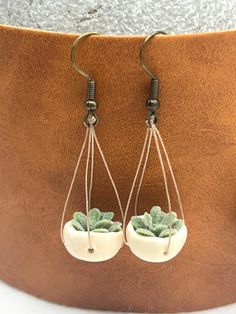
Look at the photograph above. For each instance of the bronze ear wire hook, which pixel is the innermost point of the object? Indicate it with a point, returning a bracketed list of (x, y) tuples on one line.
[(91, 104), (152, 103)]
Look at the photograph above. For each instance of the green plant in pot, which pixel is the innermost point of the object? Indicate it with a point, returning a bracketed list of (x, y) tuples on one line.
[(106, 235), (157, 223), (148, 235), (98, 221)]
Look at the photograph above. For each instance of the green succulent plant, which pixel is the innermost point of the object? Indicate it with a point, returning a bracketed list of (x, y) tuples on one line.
[(98, 221), (157, 223)]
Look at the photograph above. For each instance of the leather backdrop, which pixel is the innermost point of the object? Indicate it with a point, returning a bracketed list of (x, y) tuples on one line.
[(41, 131)]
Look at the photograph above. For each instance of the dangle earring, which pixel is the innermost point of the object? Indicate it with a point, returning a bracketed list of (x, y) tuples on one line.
[(154, 236), (92, 236)]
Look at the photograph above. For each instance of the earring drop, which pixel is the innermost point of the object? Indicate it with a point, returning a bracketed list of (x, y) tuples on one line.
[(154, 236), (92, 236)]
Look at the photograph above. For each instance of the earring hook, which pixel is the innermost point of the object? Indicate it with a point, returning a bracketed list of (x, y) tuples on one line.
[(72, 55), (152, 103), (91, 104), (145, 67)]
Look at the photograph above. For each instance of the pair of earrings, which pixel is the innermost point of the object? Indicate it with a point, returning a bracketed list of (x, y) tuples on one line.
[(154, 236)]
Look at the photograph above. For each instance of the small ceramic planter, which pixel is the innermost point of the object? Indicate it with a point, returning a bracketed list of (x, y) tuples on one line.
[(153, 248), (103, 242), (105, 245)]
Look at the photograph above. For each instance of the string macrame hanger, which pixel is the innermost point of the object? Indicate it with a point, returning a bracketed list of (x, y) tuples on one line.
[(90, 142), (152, 135)]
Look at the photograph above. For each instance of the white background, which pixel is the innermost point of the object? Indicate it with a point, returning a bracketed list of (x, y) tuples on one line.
[(13, 301)]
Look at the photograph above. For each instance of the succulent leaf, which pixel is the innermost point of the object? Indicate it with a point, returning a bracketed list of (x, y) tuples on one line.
[(137, 222), (77, 225), (115, 227), (101, 230), (103, 224), (94, 217), (81, 218), (155, 213), (158, 228), (170, 218), (107, 215), (165, 233), (178, 224), (147, 219), (145, 232)]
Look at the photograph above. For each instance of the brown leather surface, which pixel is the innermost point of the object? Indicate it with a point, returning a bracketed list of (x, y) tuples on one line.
[(41, 131)]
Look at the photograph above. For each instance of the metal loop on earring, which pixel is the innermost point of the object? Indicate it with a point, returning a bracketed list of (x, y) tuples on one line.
[(91, 104), (152, 103), (144, 44), (72, 55)]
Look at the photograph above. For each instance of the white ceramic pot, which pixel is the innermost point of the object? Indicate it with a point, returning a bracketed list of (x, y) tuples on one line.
[(152, 249), (105, 245)]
